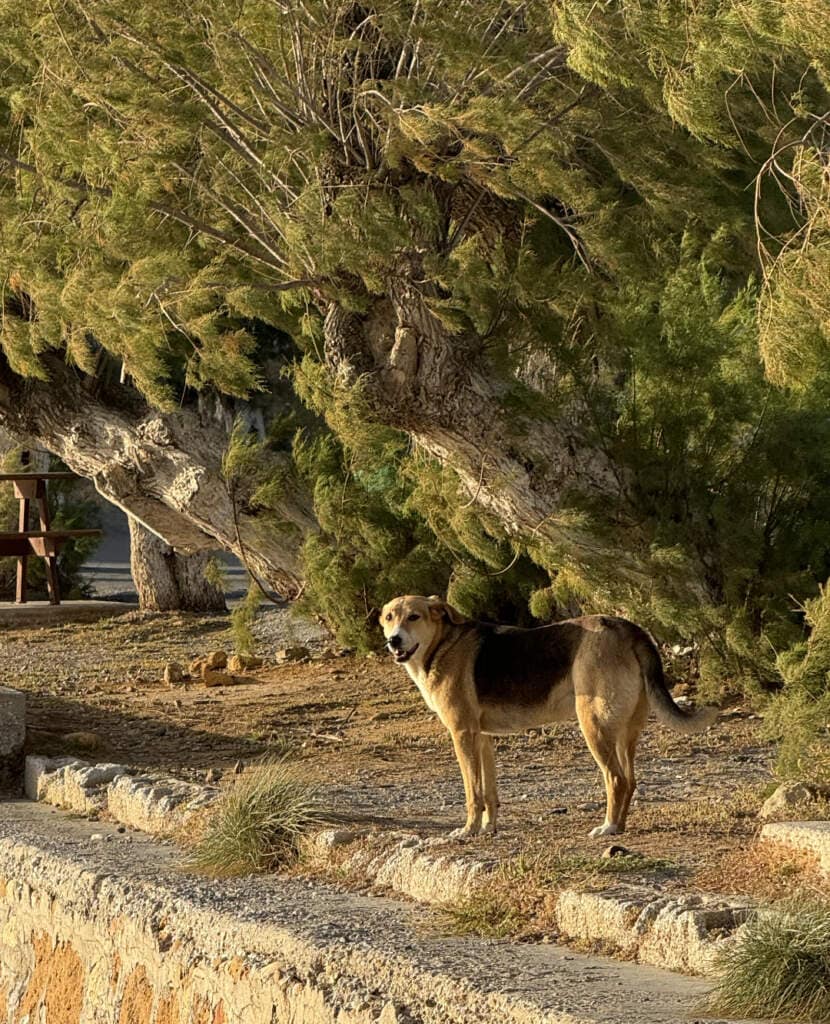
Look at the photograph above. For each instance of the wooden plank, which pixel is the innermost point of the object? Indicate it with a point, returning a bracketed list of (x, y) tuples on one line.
[(23, 475), (30, 489), (52, 534), (10, 547)]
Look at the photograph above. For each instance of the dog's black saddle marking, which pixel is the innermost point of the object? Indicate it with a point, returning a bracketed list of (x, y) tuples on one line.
[(522, 666)]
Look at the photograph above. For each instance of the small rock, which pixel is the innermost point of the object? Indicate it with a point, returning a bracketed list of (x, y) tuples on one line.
[(173, 673), (559, 810), (787, 796), (239, 768), (197, 667), (211, 678), (213, 775), (244, 663), (295, 653), (332, 837), (217, 659), (96, 837), (615, 850)]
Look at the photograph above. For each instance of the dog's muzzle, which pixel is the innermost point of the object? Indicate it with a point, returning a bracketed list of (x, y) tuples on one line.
[(402, 656)]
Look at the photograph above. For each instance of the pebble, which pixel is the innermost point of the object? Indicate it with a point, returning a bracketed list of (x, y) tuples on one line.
[(615, 850)]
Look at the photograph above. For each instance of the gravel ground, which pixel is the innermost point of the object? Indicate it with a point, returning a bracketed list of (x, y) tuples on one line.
[(359, 727)]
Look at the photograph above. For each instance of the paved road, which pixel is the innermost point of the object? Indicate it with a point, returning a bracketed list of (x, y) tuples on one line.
[(108, 570)]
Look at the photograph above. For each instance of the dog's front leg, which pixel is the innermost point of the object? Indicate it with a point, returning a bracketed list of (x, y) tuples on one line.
[(467, 743)]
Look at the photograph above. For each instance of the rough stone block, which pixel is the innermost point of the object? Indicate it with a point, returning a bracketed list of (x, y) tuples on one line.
[(37, 768), (160, 806), (12, 738), (77, 786), (682, 933), (812, 837), (405, 863)]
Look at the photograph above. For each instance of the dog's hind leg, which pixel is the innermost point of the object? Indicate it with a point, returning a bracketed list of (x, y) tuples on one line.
[(467, 743), (488, 773), (602, 744), (627, 749)]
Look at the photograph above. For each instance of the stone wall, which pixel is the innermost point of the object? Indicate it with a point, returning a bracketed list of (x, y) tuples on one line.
[(97, 956), (99, 926)]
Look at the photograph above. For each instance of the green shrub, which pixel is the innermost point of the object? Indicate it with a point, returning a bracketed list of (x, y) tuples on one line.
[(798, 718), (256, 826), (781, 967)]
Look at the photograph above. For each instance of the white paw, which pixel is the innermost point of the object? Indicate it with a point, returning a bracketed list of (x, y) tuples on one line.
[(488, 828), (607, 829), (466, 832)]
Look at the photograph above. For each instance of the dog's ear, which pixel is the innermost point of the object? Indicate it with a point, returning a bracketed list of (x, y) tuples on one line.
[(439, 609)]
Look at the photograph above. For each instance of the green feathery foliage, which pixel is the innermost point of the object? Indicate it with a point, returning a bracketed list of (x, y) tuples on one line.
[(612, 212)]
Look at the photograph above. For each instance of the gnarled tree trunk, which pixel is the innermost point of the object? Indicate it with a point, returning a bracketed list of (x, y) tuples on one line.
[(524, 470), (167, 581), (418, 377), (164, 469)]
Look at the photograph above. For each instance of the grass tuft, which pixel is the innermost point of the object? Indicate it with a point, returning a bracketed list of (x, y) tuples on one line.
[(257, 825), (781, 968)]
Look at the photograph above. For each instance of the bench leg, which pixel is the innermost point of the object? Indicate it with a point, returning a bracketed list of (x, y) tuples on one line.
[(52, 579), (51, 560), (22, 560)]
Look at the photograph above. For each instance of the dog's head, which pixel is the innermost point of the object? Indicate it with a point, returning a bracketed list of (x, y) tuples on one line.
[(411, 624)]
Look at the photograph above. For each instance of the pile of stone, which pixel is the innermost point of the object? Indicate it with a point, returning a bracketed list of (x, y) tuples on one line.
[(214, 669)]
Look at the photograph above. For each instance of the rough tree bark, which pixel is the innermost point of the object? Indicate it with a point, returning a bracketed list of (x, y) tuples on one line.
[(164, 469), (167, 581), (418, 377)]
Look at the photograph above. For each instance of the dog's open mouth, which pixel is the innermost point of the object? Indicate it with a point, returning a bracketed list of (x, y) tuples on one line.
[(402, 656)]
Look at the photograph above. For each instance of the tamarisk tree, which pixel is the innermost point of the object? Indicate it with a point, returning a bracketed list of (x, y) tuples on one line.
[(515, 246)]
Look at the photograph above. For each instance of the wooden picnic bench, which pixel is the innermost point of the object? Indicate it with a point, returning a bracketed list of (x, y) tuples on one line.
[(45, 543)]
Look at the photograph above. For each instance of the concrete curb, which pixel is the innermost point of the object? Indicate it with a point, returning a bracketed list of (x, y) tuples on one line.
[(680, 933), (403, 862), (156, 804)]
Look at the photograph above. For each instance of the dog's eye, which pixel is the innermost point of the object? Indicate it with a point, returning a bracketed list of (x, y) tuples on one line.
[(413, 617), (389, 617)]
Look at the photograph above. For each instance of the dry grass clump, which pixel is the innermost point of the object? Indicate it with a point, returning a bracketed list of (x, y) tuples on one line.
[(781, 968), (768, 872), (256, 825), (518, 900)]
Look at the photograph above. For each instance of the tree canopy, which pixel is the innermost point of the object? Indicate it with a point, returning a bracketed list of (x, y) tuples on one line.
[(555, 277)]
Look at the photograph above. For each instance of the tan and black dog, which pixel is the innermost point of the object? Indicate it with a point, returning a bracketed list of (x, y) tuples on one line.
[(485, 680)]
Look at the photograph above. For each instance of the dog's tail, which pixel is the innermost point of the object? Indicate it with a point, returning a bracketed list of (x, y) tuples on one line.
[(661, 701)]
